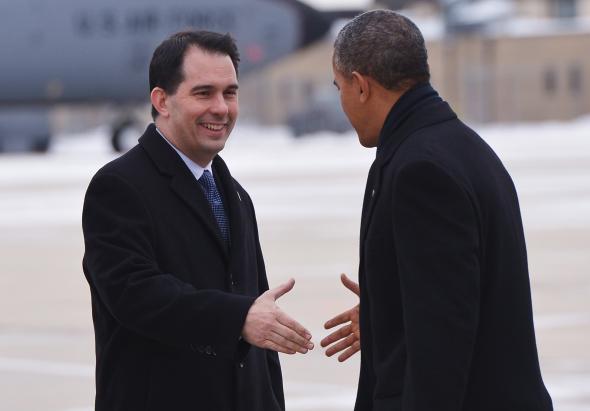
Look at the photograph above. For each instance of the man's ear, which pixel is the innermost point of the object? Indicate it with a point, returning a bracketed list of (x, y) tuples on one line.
[(159, 100), (362, 85)]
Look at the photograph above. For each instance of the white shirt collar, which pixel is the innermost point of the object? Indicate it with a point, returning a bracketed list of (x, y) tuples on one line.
[(196, 169)]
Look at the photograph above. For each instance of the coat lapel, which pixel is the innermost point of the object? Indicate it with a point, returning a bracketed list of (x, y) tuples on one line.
[(182, 181), (232, 202), (194, 198), (395, 132), (371, 191)]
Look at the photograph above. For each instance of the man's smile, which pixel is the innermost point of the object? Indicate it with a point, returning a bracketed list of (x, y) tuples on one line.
[(214, 126)]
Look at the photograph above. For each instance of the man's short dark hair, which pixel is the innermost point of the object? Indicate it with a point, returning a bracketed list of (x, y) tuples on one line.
[(384, 45), (166, 65)]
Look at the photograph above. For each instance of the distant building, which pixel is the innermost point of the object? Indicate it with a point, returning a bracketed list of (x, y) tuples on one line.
[(530, 65), (273, 93), (529, 61), (554, 8)]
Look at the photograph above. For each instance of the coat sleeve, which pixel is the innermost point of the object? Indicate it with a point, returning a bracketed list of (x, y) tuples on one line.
[(121, 268), (274, 366), (437, 244)]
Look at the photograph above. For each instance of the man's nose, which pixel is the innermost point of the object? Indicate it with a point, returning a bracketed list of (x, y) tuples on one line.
[(219, 106)]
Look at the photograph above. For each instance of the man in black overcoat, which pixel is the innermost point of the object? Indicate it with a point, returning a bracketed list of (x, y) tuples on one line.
[(445, 305), (182, 316)]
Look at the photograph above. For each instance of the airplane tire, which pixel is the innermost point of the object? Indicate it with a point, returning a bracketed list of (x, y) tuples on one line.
[(116, 140), (41, 145), (117, 134)]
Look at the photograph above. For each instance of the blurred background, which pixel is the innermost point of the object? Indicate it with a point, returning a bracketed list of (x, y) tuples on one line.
[(73, 95)]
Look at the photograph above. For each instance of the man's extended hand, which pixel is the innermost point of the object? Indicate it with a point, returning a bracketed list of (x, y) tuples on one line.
[(267, 326), (347, 337)]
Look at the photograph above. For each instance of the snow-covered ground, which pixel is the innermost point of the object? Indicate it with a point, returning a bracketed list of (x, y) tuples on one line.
[(549, 163), (308, 195)]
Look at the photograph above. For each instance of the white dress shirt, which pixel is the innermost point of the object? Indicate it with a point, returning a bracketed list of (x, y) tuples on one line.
[(196, 169)]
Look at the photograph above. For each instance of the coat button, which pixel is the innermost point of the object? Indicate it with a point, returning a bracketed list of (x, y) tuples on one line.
[(241, 365), (232, 281)]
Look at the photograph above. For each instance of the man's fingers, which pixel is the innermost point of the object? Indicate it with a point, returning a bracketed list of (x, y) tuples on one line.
[(351, 285), (293, 340), (336, 335), (288, 322), (341, 345), (286, 343), (339, 319), (350, 351), (343, 340), (284, 340), (271, 345), (282, 289)]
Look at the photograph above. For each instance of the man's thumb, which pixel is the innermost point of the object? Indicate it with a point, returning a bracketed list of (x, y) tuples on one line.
[(282, 289)]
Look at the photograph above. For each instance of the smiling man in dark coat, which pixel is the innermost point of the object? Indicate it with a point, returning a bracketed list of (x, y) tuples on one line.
[(445, 306), (182, 316)]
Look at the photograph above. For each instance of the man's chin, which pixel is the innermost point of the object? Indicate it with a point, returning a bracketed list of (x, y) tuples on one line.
[(367, 137), (367, 142), (216, 146)]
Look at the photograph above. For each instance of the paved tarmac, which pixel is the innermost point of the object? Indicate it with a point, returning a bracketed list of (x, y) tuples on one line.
[(308, 198)]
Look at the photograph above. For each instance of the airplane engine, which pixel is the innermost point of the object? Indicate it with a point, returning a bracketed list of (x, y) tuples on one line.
[(24, 129)]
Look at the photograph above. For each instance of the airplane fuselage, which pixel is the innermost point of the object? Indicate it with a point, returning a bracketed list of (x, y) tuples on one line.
[(81, 51)]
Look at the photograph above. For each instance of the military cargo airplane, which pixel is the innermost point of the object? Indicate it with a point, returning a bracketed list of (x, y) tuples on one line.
[(82, 51)]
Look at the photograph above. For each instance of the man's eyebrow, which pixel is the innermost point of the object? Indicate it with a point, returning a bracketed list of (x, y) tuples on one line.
[(209, 87), (201, 87)]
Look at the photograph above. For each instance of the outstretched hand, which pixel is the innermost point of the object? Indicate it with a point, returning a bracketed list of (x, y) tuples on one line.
[(267, 326), (348, 337)]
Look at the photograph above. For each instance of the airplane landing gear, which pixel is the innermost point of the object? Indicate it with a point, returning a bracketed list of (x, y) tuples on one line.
[(125, 134)]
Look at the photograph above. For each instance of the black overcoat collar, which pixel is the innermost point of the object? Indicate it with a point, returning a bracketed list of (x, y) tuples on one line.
[(184, 184), (419, 107)]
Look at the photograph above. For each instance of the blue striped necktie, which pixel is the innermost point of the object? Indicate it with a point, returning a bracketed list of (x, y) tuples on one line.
[(214, 199)]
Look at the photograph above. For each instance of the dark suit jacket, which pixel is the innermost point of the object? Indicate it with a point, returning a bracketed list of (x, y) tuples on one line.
[(446, 319), (168, 298)]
